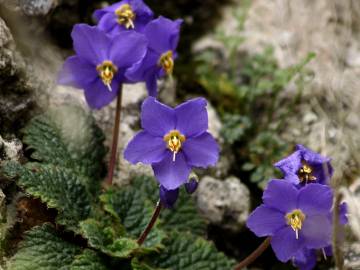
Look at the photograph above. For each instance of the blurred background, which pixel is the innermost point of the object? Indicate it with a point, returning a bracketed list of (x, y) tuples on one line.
[(276, 73)]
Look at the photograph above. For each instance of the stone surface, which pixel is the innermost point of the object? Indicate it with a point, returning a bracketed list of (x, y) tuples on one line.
[(37, 7), (224, 203), (10, 150), (352, 256), (15, 86)]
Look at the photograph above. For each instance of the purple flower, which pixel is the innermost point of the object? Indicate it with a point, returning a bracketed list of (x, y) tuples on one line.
[(305, 166), (306, 259), (122, 16), (292, 216), (169, 197), (163, 37), (100, 62), (173, 141)]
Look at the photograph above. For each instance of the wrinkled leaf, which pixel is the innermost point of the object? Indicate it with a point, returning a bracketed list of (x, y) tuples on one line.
[(59, 188), (43, 249)]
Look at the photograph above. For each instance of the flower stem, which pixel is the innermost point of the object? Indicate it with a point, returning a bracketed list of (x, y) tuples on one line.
[(253, 256), (115, 139), (151, 224)]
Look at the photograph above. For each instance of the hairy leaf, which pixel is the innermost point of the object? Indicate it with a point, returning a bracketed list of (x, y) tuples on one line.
[(89, 260), (134, 212), (43, 249), (107, 239), (184, 251), (59, 188), (67, 137)]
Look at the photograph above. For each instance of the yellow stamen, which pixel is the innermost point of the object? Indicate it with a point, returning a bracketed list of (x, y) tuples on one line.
[(126, 16), (295, 219), (166, 61), (305, 173), (173, 140), (106, 72)]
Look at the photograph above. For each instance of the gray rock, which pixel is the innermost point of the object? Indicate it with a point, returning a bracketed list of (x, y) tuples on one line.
[(352, 256), (16, 86), (10, 150), (37, 7), (224, 203), (30, 7)]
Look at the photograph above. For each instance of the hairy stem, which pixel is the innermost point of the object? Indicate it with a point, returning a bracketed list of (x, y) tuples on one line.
[(254, 255), (115, 139), (151, 224)]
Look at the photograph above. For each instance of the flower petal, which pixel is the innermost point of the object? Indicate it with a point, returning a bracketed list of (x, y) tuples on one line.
[(91, 43), (305, 259), (315, 199), (323, 173), (311, 156), (157, 118), (316, 231), (201, 151), (107, 22), (192, 117), (151, 85), (140, 71), (172, 174), (285, 244), (281, 195), (98, 95), (191, 186), (343, 213), (265, 221), (168, 197), (77, 72), (163, 34), (145, 148), (127, 48), (290, 164)]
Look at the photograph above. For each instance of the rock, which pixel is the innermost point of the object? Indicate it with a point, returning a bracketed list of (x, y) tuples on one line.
[(10, 150), (17, 83), (224, 203), (37, 7), (352, 256)]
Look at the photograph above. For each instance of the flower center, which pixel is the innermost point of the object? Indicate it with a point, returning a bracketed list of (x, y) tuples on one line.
[(305, 173), (106, 72), (173, 140), (295, 219), (166, 61), (125, 16)]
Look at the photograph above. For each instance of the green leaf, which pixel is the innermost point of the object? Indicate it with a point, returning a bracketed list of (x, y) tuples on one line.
[(137, 265), (183, 217), (107, 239), (89, 260), (134, 211), (68, 137), (59, 188), (184, 251), (43, 249)]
